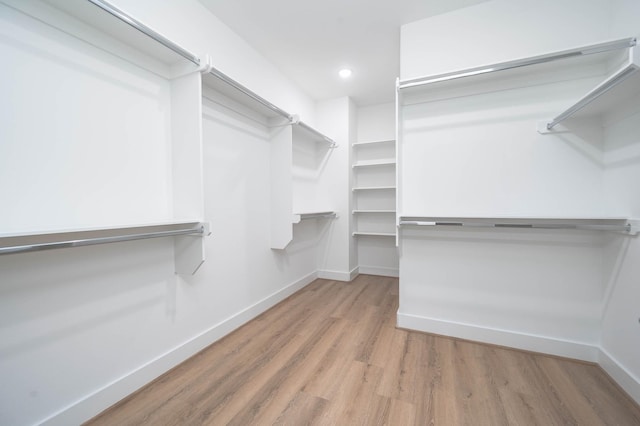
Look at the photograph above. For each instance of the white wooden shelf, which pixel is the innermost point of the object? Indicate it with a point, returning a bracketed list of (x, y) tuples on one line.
[(615, 89), (374, 188), (374, 234), (375, 163), (366, 144), (373, 211)]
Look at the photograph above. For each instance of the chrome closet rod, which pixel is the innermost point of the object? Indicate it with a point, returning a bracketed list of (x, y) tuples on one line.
[(623, 228), (598, 48), (200, 230), (134, 23), (231, 82)]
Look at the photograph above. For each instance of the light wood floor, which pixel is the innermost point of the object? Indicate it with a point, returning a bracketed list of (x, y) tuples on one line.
[(331, 355)]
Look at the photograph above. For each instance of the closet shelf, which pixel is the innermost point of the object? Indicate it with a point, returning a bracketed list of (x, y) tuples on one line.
[(374, 188), (222, 83), (598, 59), (620, 85), (298, 217), (365, 144), (188, 256), (311, 132), (107, 18), (373, 234), (623, 225), (375, 163), (373, 211)]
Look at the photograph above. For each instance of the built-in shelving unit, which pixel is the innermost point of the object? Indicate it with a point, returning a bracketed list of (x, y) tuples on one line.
[(374, 193)]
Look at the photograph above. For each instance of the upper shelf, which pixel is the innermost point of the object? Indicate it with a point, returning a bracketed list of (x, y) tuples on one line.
[(365, 144), (617, 59), (619, 86), (219, 81), (127, 37)]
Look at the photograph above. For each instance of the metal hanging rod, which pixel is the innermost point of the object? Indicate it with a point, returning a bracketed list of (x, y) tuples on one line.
[(194, 228), (626, 227), (134, 23), (503, 66)]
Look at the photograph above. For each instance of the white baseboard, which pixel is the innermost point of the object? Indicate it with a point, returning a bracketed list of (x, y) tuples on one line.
[(338, 275), (381, 271), (528, 342), (623, 377), (105, 397)]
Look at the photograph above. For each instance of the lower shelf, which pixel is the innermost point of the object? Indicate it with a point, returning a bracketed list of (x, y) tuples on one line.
[(373, 234), (188, 241)]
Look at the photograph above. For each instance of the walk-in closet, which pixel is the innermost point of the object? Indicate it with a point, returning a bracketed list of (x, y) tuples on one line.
[(245, 212)]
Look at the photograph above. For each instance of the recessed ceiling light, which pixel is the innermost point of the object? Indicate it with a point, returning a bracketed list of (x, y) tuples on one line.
[(345, 73)]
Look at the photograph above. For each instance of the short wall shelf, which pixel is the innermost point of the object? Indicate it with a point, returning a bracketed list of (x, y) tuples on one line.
[(374, 234), (375, 163), (374, 188), (374, 211), (366, 144)]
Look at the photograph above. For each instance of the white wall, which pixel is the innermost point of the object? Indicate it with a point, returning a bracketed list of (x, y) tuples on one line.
[(620, 340), (337, 259), (81, 328), (566, 293), (376, 255)]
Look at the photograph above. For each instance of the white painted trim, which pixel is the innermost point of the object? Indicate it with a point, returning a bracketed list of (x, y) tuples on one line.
[(530, 342), (338, 275), (89, 406), (381, 271), (623, 377)]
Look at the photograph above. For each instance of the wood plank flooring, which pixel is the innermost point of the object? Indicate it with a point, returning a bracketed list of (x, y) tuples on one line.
[(331, 355)]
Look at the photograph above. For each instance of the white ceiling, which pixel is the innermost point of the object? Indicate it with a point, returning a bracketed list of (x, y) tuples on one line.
[(309, 41)]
